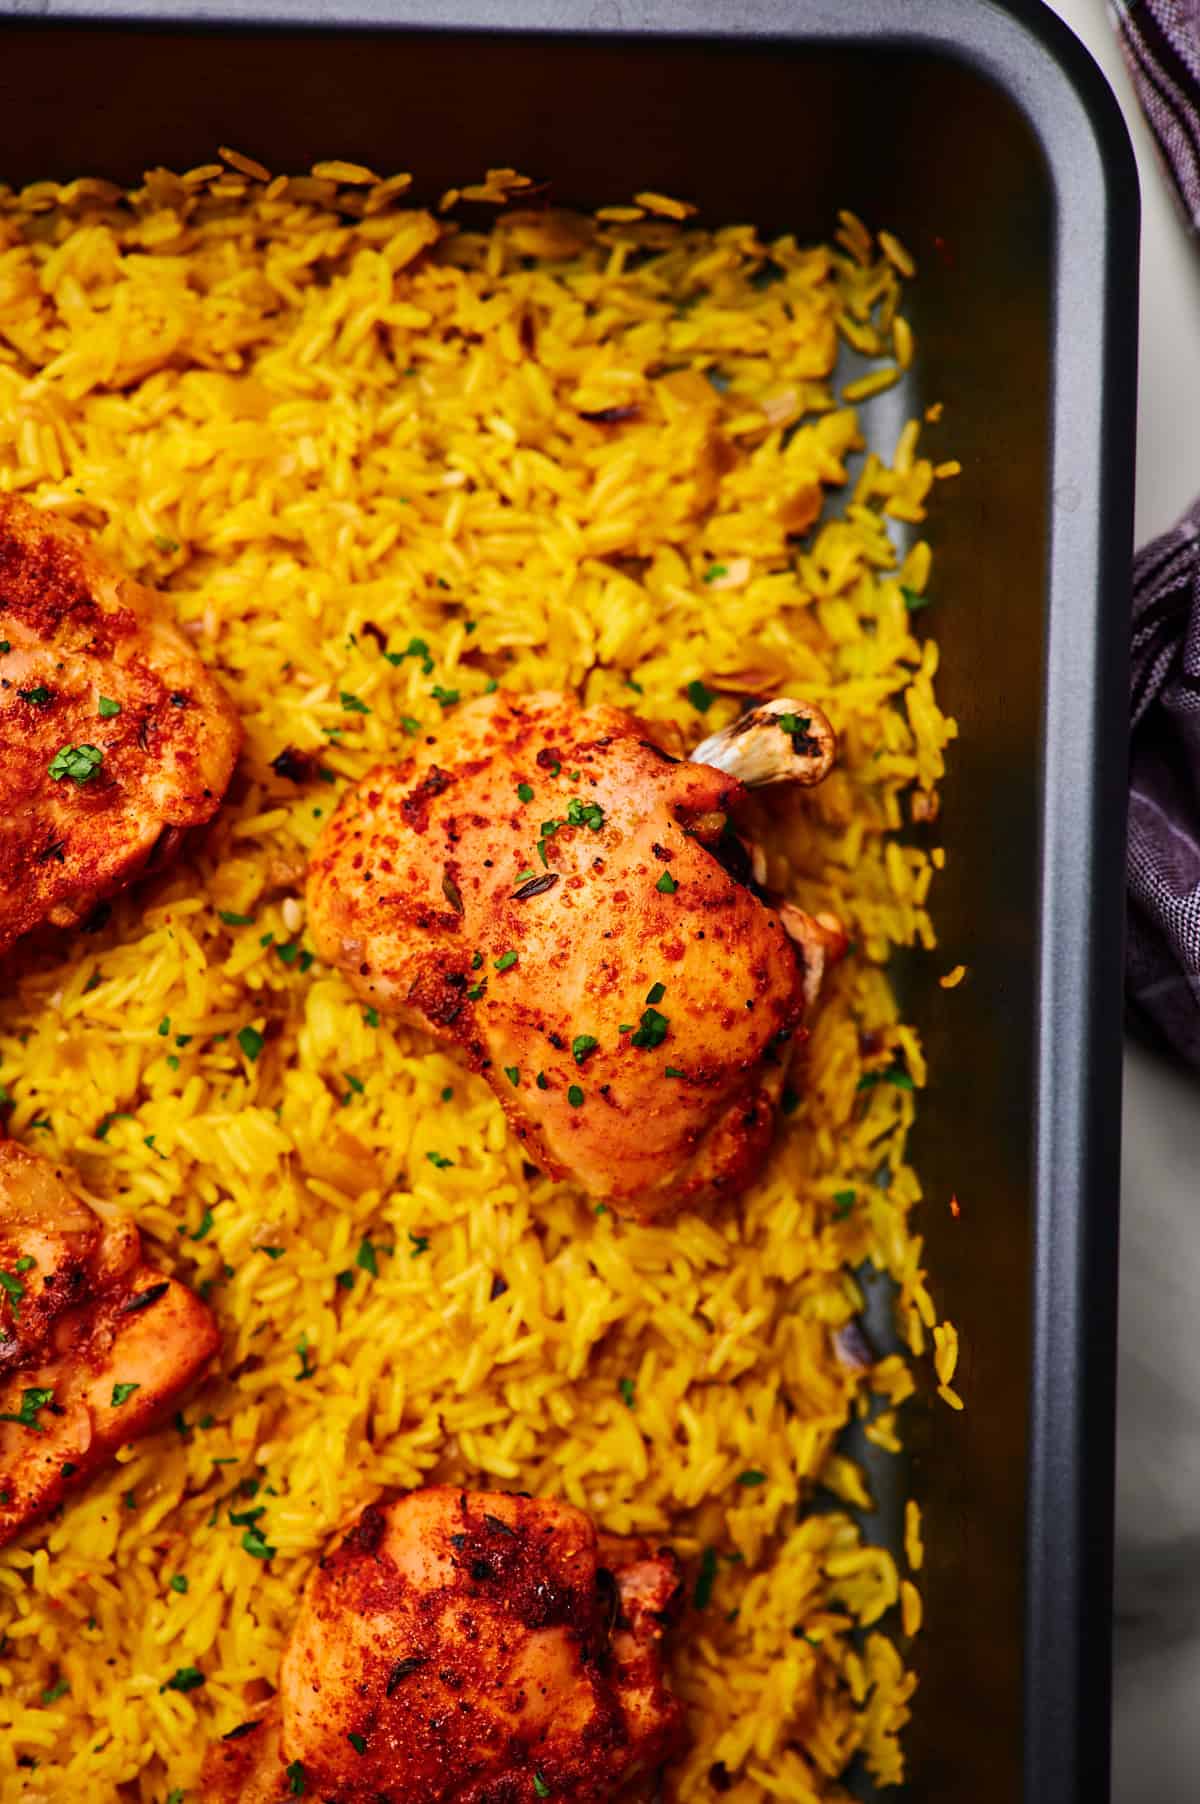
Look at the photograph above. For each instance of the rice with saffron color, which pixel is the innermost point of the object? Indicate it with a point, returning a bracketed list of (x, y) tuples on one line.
[(350, 438)]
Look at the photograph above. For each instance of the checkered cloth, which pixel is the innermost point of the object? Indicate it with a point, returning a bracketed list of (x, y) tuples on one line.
[(1161, 42)]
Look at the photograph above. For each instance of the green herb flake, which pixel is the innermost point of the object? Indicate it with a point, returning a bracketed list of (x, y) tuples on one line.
[(254, 1544), (666, 884), (628, 1391), (542, 1081), (273, 1252), (584, 814), (524, 792), (705, 1579), (409, 726), (38, 697), (55, 1692), (912, 601), (357, 1742), (789, 1102), (420, 1244), (251, 1042), (5, 646), (582, 1046), (106, 708), (295, 1776), (306, 1367), (439, 1159), (477, 961), (713, 574), (448, 1093), (673, 1071), (655, 993), (540, 1786), (79, 762), (32, 1401), (121, 1393), (184, 1678), (751, 1478), (345, 1279), (12, 1288), (513, 1074), (653, 1029), (164, 1026), (575, 1096), (24, 1264), (371, 1017), (235, 920), (506, 961), (352, 704), (365, 1258), (179, 1583), (701, 698), (445, 698), (843, 1202), (475, 993), (204, 1226), (355, 1083), (524, 876)]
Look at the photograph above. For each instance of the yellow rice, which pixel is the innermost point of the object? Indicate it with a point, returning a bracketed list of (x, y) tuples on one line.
[(322, 421)]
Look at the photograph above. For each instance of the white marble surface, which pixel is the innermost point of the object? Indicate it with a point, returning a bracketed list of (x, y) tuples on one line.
[(1156, 1752)]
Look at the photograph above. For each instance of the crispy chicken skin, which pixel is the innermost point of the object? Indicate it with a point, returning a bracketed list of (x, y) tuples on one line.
[(96, 1344), (575, 840), (74, 629), (466, 1648)]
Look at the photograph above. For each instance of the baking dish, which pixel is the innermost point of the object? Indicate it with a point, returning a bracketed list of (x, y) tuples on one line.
[(985, 138)]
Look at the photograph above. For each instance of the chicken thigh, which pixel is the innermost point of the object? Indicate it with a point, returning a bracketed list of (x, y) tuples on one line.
[(465, 1648), (114, 736), (551, 888), (95, 1345)]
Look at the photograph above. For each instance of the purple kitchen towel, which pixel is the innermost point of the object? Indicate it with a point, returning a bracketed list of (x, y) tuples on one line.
[(1163, 949), (1161, 41)]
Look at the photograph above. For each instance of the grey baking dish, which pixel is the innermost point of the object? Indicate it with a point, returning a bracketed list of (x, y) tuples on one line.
[(983, 135)]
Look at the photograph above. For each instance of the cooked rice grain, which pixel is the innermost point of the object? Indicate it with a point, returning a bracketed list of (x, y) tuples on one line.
[(349, 439)]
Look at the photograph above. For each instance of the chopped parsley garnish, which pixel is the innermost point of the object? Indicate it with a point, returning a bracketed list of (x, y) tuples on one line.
[(912, 601), (896, 1076), (205, 1223), (55, 1692), (352, 703), (184, 1678), (843, 1202), (448, 1093), (673, 1071), (345, 1279), (666, 884), (656, 992), (513, 1074), (254, 1544), (121, 1393), (542, 1081), (251, 1042), (365, 1258), (371, 1017), (273, 1252), (357, 1742), (575, 1096), (582, 1045), (164, 1026), (705, 1579), (107, 1121), (420, 1244), (585, 814), (525, 792), (235, 920), (445, 698), (627, 1390), (12, 1288), (789, 1102), (701, 698), (24, 1263), (524, 876), (27, 1416), (540, 1786), (506, 961), (179, 1583), (475, 993), (416, 648), (79, 762), (751, 1478), (306, 1367), (107, 708), (477, 961), (355, 1083), (712, 574), (295, 1774), (653, 1029), (409, 725), (439, 1159), (5, 646), (38, 697)]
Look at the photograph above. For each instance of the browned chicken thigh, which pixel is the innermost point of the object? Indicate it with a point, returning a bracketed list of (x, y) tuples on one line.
[(464, 1648), (114, 736), (95, 1345), (554, 890)]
